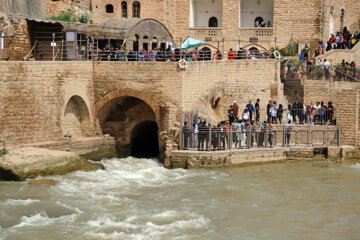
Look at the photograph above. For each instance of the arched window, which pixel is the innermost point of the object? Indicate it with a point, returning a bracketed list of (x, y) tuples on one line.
[(136, 43), (342, 16), (213, 22), (124, 9), (136, 9), (109, 8), (154, 43), (258, 21)]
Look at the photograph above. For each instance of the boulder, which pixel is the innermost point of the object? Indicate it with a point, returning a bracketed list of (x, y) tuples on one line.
[(23, 163)]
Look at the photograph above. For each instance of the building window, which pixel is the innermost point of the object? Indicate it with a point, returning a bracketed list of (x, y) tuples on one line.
[(109, 8), (124, 9), (342, 16), (213, 22), (136, 9)]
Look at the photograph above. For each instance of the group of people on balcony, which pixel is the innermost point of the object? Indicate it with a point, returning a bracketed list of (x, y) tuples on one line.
[(341, 40)]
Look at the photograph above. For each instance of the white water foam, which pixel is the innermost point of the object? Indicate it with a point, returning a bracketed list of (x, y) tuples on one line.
[(357, 166), (42, 219), (17, 202)]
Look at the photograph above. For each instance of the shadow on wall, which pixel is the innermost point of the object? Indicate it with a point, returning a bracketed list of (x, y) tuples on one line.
[(76, 118)]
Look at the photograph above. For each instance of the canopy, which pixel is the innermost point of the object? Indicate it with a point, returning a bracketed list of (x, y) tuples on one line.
[(191, 43)]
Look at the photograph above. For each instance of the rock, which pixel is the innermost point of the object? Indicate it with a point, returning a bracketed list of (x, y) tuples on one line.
[(98, 155), (24, 163), (47, 182)]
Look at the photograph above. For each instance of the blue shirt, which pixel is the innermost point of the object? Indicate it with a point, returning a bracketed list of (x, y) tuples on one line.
[(250, 107)]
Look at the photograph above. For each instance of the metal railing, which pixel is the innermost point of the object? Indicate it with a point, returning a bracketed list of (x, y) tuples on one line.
[(295, 115), (351, 74), (216, 138), (87, 50)]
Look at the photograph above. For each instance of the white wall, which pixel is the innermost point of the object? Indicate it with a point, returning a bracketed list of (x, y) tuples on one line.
[(202, 10), (251, 9)]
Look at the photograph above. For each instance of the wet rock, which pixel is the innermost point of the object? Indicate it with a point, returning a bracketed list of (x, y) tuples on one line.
[(47, 182), (105, 153), (24, 163)]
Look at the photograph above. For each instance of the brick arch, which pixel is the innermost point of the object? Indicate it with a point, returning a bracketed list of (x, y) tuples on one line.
[(258, 46), (152, 101)]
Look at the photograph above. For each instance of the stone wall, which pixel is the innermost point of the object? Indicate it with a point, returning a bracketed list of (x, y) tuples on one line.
[(35, 94), (16, 38)]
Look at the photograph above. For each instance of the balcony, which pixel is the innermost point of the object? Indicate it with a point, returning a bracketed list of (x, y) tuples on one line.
[(256, 32), (206, 32)]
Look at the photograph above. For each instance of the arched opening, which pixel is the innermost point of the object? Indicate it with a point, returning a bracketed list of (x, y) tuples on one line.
[(205, 54), (124, 9), (202, 11), (213, 22), (144, 140), (146, 43), (136, 9), (132, 123), (136, 43), (109, 8), (342, 16), (258, 21), (331, 21), (154, 43), (76, 118)]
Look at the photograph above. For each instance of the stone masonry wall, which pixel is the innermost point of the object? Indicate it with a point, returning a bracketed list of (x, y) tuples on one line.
[(34, 94)]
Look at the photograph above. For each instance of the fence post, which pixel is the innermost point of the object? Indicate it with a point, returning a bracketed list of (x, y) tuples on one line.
[(266, 137), (230, 137), (309, 135), (296, 137), (210, 146), (181, 131), (324, 143), (284, 137)]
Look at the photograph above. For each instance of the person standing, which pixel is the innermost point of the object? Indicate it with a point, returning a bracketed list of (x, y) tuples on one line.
[(231, 114), (186, 135), (257, 110), (251, 109), (288, 129), (196, 132), (236, 110), (268, 111)]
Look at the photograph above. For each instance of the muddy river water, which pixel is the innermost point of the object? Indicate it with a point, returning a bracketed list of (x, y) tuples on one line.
[(139, 199)]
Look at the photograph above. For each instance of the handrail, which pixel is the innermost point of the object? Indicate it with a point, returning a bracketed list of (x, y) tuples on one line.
[(57, 53), (346, 75), (28, 55)]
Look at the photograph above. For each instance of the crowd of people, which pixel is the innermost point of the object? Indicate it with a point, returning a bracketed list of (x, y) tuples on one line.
[(108, 53), (241, 122), (346, 71), (340, 40)]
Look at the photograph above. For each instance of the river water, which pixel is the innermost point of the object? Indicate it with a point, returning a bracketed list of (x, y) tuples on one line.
[(139, 199)]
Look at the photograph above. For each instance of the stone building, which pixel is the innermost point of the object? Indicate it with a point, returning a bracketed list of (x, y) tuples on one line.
[(232, 21)]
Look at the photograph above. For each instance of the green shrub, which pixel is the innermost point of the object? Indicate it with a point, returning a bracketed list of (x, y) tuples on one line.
[(65, 16), (291, 49), (4, 151), (84, 18)]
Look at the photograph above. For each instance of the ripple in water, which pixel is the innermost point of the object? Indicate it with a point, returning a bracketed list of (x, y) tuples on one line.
[(139, 199)]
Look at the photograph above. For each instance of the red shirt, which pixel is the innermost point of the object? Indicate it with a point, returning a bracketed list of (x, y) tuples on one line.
[(231, 55)]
